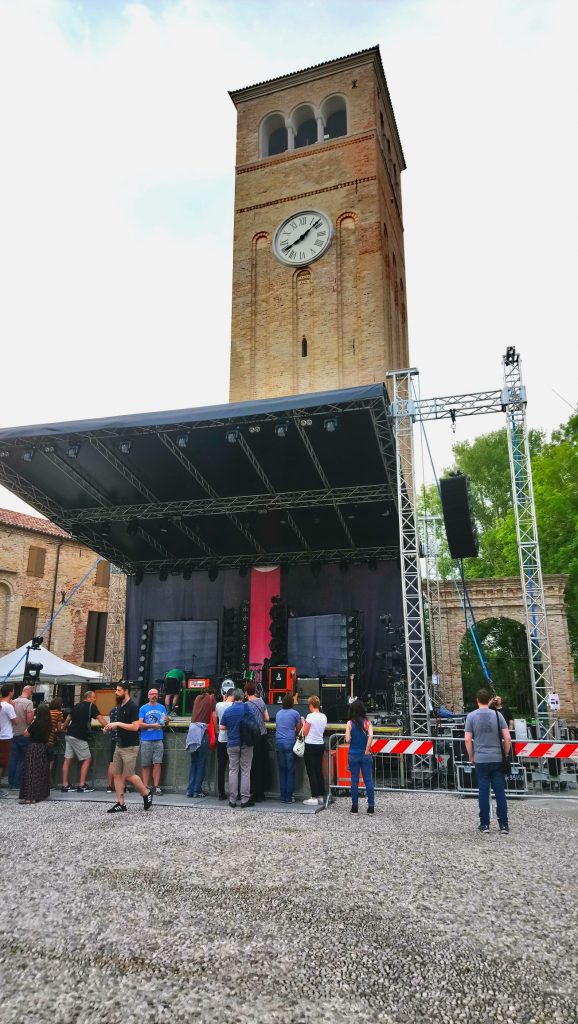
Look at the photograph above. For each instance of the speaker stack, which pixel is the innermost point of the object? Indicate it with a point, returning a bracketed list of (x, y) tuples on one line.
[(278, 614), (235, 642), (145, 651), (456, 506)]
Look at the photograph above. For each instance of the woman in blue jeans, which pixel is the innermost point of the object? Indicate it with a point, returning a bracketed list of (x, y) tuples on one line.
[(203, 709), (287, 725), (359, 736)]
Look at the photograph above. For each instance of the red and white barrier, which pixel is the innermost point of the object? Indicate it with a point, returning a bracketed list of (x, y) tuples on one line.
[(558, 750), (396, 746)]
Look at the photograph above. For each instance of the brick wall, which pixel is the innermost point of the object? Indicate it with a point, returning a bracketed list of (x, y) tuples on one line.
[(66, 562)]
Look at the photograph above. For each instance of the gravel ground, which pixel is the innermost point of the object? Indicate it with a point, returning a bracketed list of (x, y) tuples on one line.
[(236, 916)]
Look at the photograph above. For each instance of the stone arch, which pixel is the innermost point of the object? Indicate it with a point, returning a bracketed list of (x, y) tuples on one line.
[(273, 136), (505, 646), (334, 116), (502, 598), (305, 124)]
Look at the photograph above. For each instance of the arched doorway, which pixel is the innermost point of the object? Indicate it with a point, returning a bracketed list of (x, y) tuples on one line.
[(505, 648), (5, 595)]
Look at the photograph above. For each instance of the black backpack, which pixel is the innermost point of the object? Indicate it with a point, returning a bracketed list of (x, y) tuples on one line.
[(249, 730)]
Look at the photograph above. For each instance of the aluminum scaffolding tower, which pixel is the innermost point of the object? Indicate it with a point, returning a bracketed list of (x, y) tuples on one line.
[(512, 401), (430, 533)]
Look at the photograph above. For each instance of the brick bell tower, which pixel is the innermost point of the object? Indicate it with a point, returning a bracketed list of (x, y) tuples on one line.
[(318, 272)]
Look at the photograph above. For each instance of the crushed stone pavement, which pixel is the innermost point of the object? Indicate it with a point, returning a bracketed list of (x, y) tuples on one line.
[(407, 916)]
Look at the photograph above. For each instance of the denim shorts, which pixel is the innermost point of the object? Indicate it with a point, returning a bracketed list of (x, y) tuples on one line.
[(151, 752)]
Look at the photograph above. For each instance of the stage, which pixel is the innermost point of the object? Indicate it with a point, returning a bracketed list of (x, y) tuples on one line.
[(195, 505)]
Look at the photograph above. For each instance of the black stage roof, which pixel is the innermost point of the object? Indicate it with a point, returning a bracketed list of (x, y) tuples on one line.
[(307, 478)]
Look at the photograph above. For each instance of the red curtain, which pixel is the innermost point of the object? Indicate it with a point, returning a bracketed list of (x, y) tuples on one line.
[(265, 584)]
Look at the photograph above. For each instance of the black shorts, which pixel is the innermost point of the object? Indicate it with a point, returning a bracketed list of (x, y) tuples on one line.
[(172, 687)]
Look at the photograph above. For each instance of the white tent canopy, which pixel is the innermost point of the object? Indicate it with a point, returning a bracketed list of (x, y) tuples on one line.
[(53, 669)]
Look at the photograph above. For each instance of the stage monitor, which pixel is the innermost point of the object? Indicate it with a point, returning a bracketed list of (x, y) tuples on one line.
[(191, 645), (318, 645)]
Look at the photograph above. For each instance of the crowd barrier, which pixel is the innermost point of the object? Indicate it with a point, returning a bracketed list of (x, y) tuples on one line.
[(441, 764)]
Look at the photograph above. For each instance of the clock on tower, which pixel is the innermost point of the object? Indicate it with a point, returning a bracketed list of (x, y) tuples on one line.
[(318, 268)]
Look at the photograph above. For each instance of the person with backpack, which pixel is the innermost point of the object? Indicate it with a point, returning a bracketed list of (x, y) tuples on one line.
[(242, 734), (359, 736), (260, 766)]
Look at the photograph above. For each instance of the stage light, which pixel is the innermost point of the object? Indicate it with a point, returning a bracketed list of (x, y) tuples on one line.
[(145, 625), (164, 575), (330, 424), (213, 572), (187, 573), (4, 454), (232, 436), (281, 429), (254, 428), (125, 447), (132, 527), (243, 571), (511, 358), (28, 455), (72, 451), (306, 423), (138, 578), (182, 440), (164, 526), (48, 449)]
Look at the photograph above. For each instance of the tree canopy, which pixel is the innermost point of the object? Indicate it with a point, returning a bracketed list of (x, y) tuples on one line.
[(555, 480)]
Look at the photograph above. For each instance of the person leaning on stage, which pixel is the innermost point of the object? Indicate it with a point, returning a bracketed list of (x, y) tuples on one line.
[(313, 729), (175, 679), (485, 730), (240, 757), (227, 687), (127, 727), (359, 737), (287, 726), (79, 726), (203, 710), (7, 716), (496, 705), (153, 718), (260, 768)]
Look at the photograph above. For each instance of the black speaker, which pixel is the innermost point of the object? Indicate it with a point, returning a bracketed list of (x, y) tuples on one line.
[(460, 528)]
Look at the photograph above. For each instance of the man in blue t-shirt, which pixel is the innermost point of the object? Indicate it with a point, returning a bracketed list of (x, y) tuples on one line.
[(240, 757), (153, 719)]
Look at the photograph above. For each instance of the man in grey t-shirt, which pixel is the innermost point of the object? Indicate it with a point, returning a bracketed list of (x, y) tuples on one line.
[(484, 733)]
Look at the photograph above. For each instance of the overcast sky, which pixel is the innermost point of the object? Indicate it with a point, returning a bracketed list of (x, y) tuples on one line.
[(117, 177)]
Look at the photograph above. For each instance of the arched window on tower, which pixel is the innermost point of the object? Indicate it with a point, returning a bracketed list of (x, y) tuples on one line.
[(273, 135), (304, 126), (334, 114)]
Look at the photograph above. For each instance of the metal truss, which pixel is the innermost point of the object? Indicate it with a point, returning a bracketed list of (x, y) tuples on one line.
[(28, 492), (311, 452), (112, 665), (138, 485), (448, 408), (430, 532), (270, 558), (514, 398), (381, 419), (215, 506), (214, 501), (271, 490), (416, 666)]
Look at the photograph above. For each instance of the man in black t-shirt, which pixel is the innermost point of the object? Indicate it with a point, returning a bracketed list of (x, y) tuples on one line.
[(127, 728), (79, 728), (496, 705)]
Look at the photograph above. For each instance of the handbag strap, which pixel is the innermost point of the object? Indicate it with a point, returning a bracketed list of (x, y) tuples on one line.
[(500, 737)]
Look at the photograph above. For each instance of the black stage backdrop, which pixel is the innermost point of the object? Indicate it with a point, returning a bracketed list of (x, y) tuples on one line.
[(371, 592), (177, 598)]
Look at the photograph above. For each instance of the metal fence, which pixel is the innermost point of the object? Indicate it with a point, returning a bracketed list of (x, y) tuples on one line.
[(441, 764)]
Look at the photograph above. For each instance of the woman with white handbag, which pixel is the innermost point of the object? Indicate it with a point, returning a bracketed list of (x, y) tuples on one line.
[(287, 727), (313, 730)]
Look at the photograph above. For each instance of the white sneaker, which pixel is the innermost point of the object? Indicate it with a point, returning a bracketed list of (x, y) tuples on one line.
[(311, 802), (320, 799), (158, 791)]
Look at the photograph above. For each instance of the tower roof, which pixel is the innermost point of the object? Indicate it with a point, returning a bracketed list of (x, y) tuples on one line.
[(371, 55)]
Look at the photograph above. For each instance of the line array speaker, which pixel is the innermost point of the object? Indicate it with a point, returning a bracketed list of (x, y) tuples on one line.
[(278, 614), (145, 650), (460, 528)]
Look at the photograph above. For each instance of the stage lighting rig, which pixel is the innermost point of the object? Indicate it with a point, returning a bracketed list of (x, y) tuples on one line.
[(72, 451), (281, 429), (125, 447), (330, 424), (28, 455), (232, 436), (182, 440), (511, 358)]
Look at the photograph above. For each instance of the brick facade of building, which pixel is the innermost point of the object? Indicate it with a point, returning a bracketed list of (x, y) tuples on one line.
[(349, 305), (40, 565)]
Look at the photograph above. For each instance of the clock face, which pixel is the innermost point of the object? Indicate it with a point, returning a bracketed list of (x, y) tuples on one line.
[(302, 238)]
